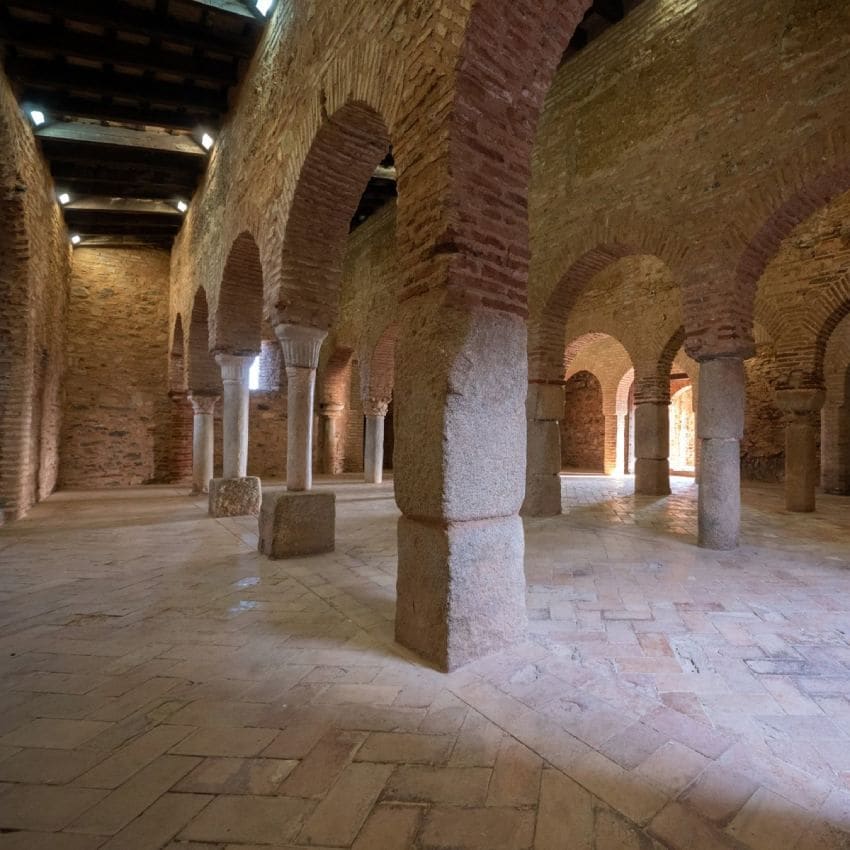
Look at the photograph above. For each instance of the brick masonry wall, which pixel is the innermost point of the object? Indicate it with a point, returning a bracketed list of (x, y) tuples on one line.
[(34, 269), (117, 422), (583, 425)]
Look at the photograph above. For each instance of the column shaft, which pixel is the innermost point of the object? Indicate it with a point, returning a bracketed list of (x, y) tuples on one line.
[(802, 421), (544, 409), (235, 401), (652, 448), (301, 346), (720, 426), (373, 458), (203, 432)]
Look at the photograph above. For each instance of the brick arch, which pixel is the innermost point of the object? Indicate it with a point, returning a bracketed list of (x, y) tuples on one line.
[(177, 358), (624, 389), (377, 377), (237, 326), (463, 209), (655, 386), (605, 357), (546, 330), (800, 188), (204, 375), (840, 304), (344, 153)]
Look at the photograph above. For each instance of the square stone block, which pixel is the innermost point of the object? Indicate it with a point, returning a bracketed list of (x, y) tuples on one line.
[(296, 523), (460, 588), (235, 496)]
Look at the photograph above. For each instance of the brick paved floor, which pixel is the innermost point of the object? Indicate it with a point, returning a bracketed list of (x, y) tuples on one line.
[(165, 686)]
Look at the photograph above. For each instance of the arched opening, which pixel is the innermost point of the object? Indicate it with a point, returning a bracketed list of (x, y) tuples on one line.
[(596, 419), (345, 152), (682, 428), (239, 313), (334, 410), (583, 425), (204, 375), (179, 461), (377, 385)]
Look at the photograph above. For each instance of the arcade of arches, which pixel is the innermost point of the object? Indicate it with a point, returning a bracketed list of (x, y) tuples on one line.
[(535, 531)]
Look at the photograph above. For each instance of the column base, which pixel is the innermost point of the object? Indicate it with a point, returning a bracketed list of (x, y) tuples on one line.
[(235, 496), (542, 496), (296, 523), (652, 477), (460, 589)]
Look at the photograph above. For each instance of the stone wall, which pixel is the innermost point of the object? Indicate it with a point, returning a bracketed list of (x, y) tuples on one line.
[(34, 268), (583, 425), (117, 416)]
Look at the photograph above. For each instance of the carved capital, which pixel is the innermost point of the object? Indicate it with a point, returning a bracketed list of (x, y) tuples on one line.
[(301, 345), (234, 367), (800, 400), (203, 403), (375, 406)]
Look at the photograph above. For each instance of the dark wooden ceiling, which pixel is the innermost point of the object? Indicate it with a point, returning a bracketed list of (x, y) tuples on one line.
[(127, 88)]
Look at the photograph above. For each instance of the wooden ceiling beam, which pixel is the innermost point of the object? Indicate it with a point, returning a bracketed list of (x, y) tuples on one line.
[(69, 106), (64, 77), (95, 134), (78, 185), (33, 36), (108, 204), (90, 240), (125, 18), (95, 221)]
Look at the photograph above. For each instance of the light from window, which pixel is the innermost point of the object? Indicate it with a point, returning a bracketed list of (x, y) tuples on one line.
[(254, 375)]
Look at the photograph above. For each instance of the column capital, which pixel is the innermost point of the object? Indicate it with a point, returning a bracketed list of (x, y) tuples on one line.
[(800, 400), (301, 345), (234, 367), (331, 409), (375, 406), (203, 403)]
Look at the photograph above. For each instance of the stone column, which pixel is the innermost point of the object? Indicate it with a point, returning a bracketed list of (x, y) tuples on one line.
[(235, 399), (375, 411), (544, 409), (330, 412), (802, 420), (301, 347), (202, 441), (460, 391), (720, 426), (652, 448)]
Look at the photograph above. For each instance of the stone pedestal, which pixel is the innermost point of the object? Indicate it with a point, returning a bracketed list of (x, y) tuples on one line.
[(544, 409), (203, 433), (652, 448), (461, 600), (802, 421), (330, 413), (375, 412), (460, 391), (720, 426), (235, 496), (301, 347), (235, 399), (294, 524)]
